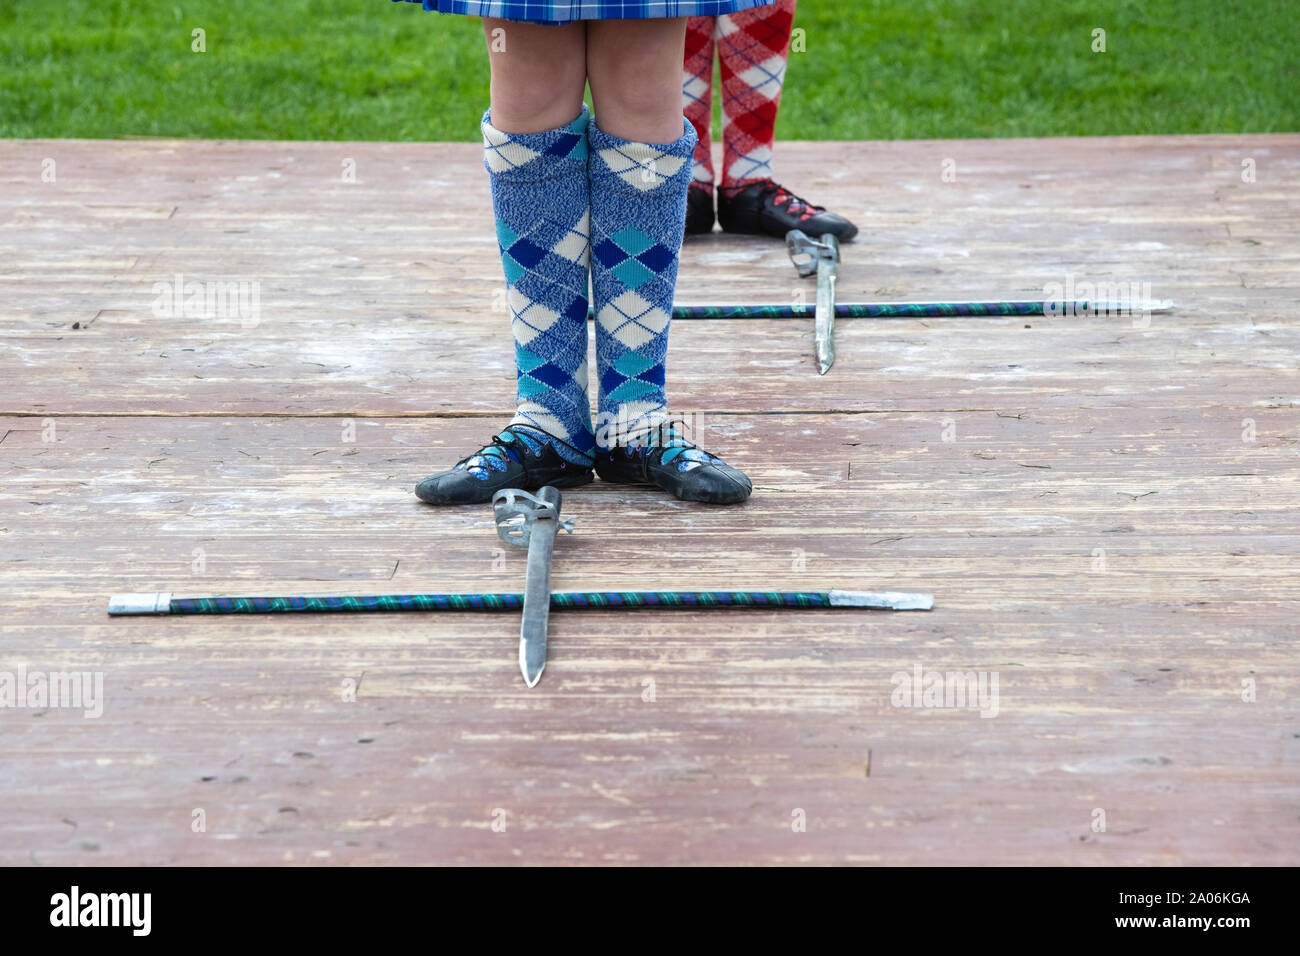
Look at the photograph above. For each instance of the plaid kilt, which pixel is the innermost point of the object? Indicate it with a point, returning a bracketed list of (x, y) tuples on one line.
[(566, 11)]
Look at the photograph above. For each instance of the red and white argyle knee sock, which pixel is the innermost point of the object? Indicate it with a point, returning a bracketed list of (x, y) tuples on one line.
[(697, 93), (753, 46)]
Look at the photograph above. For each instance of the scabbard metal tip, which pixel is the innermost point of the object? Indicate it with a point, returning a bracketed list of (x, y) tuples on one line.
[(153, 602), (886, 600)]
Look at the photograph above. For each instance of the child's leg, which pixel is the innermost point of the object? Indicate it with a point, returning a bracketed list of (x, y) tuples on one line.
[(535, 150), (640, 168), (697, 104), (536, 153), (697, 93), (753, 46)]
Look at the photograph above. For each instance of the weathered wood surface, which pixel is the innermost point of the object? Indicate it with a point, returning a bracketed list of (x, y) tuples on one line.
[(1105, 513), (379, 293)]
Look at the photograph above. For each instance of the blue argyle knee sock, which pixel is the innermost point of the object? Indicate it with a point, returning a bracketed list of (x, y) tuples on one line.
[(540, 200), (638, 211)]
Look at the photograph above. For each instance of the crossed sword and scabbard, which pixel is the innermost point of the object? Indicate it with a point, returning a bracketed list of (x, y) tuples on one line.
[(532, 521), (529, 521)]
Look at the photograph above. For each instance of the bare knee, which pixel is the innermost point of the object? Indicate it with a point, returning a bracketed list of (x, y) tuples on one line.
[(640, 114), (635, 70), (538, 75), (532, 109)]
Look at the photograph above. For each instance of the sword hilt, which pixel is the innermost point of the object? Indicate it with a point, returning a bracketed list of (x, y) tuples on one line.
[(517, 513), (806, 252)]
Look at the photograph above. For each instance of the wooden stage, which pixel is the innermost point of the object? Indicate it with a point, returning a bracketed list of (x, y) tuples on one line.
[(1104, 510)]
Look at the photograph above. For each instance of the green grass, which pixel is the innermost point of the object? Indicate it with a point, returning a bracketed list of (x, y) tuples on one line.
[(873, 69)]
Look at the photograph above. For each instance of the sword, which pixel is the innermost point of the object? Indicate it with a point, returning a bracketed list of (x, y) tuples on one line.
[(823, 258), (528, 521)]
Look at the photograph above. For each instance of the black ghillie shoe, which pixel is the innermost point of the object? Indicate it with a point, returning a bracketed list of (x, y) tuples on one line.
[(513, 459), (676, 466), (699, 210), (766, 208)]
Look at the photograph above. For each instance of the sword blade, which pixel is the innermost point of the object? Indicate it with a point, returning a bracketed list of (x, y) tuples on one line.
[(537, 591), (825, 321)]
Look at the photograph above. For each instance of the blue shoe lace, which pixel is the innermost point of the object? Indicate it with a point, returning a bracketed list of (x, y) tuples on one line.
[(495, 455), (512, 445), (676, 447)]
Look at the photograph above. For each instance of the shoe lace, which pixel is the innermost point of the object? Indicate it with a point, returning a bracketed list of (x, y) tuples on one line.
[(512, 444), (674, 446), (794, 205), (507, 446)]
